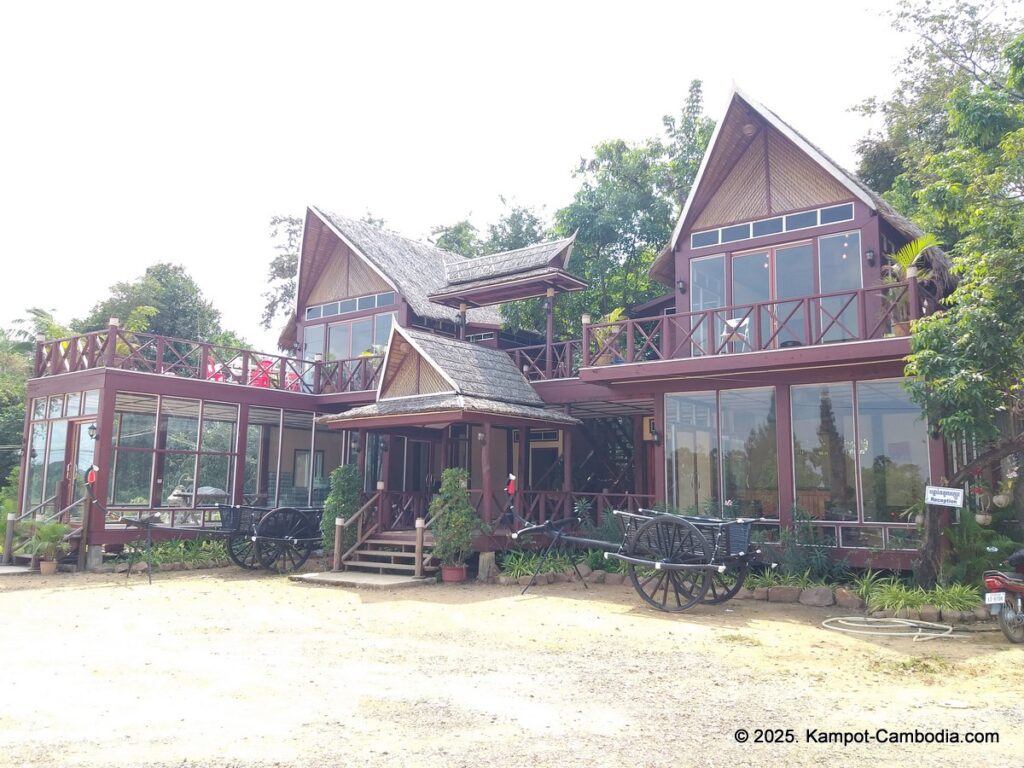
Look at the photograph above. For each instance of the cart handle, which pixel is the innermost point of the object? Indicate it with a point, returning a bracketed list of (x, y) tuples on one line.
[(550, 525)]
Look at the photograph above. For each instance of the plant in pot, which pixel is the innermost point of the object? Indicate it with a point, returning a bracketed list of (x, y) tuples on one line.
[(604, 337), (47, 542), (454, 524), (903, 265)]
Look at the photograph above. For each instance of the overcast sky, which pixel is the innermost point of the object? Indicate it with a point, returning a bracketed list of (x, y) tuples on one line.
[(130, 135)]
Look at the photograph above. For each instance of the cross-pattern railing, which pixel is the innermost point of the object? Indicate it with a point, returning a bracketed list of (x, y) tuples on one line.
[(842, 316), (163, 355), (540, 506), (539, 362)]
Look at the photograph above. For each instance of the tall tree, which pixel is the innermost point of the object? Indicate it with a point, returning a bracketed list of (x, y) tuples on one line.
[(279, 298), (461, 237)]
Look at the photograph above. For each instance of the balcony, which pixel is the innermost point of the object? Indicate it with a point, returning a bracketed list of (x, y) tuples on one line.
[(166, 356), (867, 314)]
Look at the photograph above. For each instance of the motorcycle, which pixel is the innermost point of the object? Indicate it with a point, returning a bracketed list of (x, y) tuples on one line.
[(1005, 597)]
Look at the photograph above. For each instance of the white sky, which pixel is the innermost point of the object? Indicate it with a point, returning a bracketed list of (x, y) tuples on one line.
[(131, 135)]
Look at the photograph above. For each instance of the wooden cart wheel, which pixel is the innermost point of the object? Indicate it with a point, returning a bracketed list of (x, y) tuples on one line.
[(672, 540), (242, 552), (285, 540), (724, 586)]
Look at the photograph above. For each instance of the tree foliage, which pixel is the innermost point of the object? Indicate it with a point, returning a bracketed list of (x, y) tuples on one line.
[(279, 298), (461, 237)]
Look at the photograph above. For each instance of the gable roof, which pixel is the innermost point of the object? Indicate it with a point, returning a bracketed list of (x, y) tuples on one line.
[(718, 157), (550, 254), (415, 269), (481, 380)]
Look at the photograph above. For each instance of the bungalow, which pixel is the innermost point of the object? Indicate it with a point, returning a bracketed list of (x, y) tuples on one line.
[(767, 380)]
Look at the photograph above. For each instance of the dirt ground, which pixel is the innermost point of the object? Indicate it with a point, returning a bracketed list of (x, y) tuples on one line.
[(224, 668)]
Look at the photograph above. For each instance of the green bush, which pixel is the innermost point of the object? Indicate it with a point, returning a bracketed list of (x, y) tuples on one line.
[(343, 502), (48, 540), (455, 522)]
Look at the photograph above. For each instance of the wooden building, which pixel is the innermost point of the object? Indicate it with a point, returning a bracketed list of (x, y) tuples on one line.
[(766, 379)]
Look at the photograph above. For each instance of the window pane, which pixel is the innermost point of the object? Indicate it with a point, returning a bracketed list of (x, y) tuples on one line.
[(732, 234), (904, 538), (349, 305), (220, 421), (39, 408), (175, 479), (328, 454), (330, 310), (837, 213), (134, 421), (802, 220), (261, 452), (216, 477), (36, 459), (861, 538), (750, 465), (339, 341), (298, 434), (362, 336), (131, 477), (794, 276), (769, 227), (55, 457), (92, 403), (823, 451), (701, 239), (839, 266), (56, 407), (367, 302), (382, 329), (179, 425), (691, 450), (385, 299), (312, 341), (894, 450), (312, 313), (751, 281), (74, 404)]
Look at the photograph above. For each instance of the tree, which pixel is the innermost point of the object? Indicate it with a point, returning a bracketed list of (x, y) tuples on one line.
[(286, 233), (166, 301), (461, 238)]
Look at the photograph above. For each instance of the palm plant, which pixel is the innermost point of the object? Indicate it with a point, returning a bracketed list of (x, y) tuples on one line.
[(898, 269)]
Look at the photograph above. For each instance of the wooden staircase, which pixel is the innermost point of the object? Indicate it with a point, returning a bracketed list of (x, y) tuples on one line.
[(391, 552)]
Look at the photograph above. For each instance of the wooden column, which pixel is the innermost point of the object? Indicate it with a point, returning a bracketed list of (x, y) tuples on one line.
[(241, 444), (639, 453), (101, 459), (463, 308), (567, 468), (659, 448), (361, 456), (524, 470), (784, 452), (487, 487), (549, 310)]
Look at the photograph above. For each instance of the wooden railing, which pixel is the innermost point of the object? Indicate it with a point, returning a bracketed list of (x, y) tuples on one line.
[(540, 506), (540, 362), (364, 527), (163, 355), (842, 316)]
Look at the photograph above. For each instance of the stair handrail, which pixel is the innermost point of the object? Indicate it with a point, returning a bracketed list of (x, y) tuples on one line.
[(361, 534), (36, 508)]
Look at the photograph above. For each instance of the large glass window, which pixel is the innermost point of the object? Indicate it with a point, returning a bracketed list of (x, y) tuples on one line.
[(262, 449), (750, 466), (131, 466), (691, 450), (707, 291), (839, 267), (823, 451), (296, 437), (894, 458), (36, 459)]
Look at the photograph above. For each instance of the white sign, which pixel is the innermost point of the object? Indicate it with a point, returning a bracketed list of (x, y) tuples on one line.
[(944, 497)]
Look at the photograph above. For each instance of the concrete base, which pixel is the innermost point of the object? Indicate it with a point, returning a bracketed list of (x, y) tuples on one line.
[(13, 570), (487, 570), (93, 557), (362, 580)]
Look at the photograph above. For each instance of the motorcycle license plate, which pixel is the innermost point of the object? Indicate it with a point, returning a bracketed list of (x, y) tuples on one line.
[(995, 598)]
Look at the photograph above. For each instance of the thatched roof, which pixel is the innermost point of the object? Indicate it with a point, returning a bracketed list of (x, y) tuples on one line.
[(551, 254), (442, 404)]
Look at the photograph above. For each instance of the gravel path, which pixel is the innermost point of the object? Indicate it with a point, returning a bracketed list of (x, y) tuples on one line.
[(221, 668)]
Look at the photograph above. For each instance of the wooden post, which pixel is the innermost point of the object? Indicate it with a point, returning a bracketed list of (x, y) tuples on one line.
[(567, 467), (339, 535), (361, 456), (549, 310), (585, 342), (485, 472), (420, 526), (524, 470), (241, 446), (784, 451), (9, 538), (381, 499), (40, 343), (659, 448), (463, 308), (912, 293)]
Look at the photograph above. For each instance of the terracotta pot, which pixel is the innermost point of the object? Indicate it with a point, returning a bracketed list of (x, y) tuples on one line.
[(1001, 500), (982, 518), (453, 574), (47, 567), (901, 328)]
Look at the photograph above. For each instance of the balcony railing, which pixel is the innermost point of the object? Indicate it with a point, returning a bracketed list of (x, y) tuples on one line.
[(163, 355), (828, 318), (540, 362)]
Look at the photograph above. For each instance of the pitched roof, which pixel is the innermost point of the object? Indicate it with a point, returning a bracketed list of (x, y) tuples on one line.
[(482, 380), (662, 268), (551, 254), (416, 269)]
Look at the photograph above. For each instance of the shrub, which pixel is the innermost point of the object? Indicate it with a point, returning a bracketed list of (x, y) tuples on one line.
[(343, 502), (455, 522)]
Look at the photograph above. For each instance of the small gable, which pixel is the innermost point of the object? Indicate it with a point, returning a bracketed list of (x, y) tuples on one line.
[(407, 373)]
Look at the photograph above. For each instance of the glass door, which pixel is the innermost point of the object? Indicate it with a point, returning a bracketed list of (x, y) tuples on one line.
[(839, 263), (751, 284), (794, 277), (707, 292), (81, 458)]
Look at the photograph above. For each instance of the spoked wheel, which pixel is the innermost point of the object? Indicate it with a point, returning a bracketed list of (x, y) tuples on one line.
[(242, 552), (285, 540), (1012, 626), (723, 586), (673, 541)]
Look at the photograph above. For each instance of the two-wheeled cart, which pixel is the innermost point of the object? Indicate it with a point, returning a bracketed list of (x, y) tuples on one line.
[(674, 561), (279, 540)]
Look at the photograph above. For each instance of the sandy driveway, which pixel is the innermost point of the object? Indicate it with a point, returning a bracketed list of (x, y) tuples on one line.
[(225, 668)]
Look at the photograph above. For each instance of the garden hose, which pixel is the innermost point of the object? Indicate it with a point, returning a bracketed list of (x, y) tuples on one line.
[(920, 631)]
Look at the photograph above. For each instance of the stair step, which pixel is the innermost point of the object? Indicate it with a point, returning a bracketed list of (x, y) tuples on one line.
[(396, 543), (381, 566), (383, 553)]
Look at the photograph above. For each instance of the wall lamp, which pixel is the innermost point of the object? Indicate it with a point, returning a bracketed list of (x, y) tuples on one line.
[(93, 432), (655, 434), (681, 285), (870, 257)]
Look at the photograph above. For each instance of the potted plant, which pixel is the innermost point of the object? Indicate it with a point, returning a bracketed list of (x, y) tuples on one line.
[(904, 265), (604, 336), (454, 524), (46, 542), (914, 513)]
